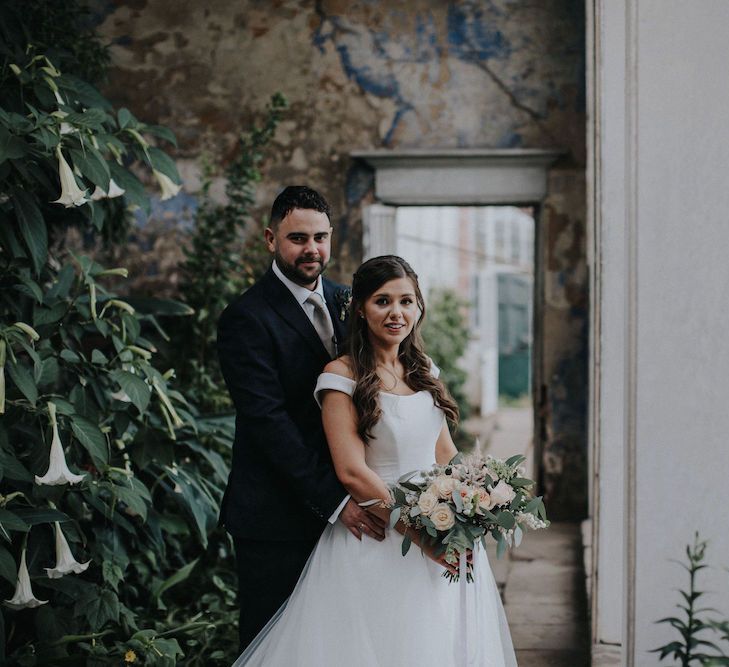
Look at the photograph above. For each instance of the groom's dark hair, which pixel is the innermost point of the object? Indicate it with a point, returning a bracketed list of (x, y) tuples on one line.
[(296, 196)]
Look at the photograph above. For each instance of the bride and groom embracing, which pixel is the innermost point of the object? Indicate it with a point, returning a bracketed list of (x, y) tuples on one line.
[(335, 399)]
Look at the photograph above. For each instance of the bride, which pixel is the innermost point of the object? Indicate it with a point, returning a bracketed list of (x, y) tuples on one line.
[(361, 603)]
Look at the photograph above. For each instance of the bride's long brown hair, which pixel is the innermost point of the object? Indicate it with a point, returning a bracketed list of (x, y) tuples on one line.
[(372, 275)]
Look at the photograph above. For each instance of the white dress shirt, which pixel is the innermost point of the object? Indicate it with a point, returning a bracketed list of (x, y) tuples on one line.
[(301, 294)]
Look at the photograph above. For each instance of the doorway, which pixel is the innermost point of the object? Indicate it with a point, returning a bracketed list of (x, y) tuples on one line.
[(476, 269)]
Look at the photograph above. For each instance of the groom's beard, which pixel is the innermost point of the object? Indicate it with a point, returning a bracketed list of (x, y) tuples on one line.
[(298, 275)]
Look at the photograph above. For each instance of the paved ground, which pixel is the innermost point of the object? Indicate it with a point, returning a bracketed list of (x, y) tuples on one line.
[(543, 581)]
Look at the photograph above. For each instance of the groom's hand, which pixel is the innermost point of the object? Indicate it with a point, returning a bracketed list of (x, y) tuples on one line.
[(360, 522)]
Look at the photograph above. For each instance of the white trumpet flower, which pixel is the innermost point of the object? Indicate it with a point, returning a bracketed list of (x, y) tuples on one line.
[(24, 598), (168, 187), (65, 562), (58, 472), (114, 191), (71, 194)]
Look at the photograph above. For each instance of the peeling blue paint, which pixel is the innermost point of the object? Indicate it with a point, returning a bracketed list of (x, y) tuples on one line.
[(181, 209), (383, 86), (470, 38)]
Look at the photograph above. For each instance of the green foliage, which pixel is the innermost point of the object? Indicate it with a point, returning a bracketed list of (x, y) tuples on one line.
[(446, 336), (82, 391), (692, 621), (218, 265)]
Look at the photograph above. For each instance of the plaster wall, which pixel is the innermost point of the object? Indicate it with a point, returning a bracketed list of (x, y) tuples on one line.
[(374, 74), (663, 355)]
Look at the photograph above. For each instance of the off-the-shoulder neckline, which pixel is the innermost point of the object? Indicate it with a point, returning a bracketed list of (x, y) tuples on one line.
[(387, 393)]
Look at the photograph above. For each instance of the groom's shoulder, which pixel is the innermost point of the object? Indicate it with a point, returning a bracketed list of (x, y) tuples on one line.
[(252, 301)]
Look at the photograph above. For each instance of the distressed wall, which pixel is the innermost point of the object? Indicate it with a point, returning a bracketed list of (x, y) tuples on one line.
[(382, 74)]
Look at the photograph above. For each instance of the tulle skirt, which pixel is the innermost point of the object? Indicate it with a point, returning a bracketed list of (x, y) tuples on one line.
[(362, 604)]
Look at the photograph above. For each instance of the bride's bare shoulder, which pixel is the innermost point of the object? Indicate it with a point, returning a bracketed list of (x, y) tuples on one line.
[(341, 366)]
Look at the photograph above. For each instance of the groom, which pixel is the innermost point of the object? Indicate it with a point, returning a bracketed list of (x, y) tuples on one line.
[(273, 341)]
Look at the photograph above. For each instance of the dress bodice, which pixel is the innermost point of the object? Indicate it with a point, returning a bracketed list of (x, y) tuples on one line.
[(404, 438)]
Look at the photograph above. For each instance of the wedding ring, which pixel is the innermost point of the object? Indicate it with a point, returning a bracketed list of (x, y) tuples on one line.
[(362, 527)]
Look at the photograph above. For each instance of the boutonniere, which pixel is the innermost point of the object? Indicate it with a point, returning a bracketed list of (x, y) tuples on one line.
[(343, 298)]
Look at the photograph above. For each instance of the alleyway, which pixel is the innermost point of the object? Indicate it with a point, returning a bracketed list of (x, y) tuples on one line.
[(542, 582)]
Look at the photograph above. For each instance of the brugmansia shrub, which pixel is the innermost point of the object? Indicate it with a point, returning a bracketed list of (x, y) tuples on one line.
[(109, 480)]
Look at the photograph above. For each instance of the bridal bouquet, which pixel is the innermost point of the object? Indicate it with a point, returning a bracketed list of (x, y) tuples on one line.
[(458, 504)]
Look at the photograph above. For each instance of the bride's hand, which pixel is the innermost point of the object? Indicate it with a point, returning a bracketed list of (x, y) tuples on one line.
[(432, 552)]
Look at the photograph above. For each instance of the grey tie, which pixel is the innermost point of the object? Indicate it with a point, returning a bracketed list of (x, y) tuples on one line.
[(322, 323)]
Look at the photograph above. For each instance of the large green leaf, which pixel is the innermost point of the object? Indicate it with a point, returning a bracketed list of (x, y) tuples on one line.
[(83, 91), (35, 515), (222, 470), (162, 132), (90, 118), (125, 118), (134, 190), (132, 498), (13, 469), (178, 577), (62, 285), (148, 446), (32, 227), (202, 508), (163, 163), (92, 166), (11, 521), (91, 437), (98, 606), (137, 389), (23, 379), (11, 147), (8, 570), (42, 315)]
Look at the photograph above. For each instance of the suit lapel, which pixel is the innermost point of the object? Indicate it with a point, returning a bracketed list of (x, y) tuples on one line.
[(284, 303)]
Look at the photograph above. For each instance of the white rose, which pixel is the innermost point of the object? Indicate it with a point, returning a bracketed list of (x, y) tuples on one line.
[(427, 502), (442, 517), (501, 494), (443, 486), (484, 499)]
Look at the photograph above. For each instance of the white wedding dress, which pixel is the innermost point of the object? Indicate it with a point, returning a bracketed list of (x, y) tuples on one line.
[(362, 604)]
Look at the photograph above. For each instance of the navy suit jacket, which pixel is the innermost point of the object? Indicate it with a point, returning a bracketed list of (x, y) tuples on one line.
[(282, 484)]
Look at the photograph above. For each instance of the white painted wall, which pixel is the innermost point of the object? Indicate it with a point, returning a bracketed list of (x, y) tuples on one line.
[(662, 349)]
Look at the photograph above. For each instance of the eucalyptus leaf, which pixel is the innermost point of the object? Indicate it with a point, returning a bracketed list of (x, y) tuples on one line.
[(506, 520), (500, 546), (406, 542)]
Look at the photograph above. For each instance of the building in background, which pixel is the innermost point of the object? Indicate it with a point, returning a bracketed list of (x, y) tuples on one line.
[(485, 255)]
